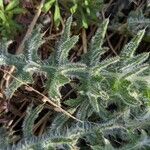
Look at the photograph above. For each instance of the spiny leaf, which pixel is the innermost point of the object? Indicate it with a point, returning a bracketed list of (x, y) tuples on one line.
[(104, 64), (22, 76), (65, 48), (64, 38), (19, 62), (53, 86), (130, 48), (107, 90), (29, 120), (134, 61), (96, 49), (73, 102), (4, 52), (127, 99), (94, 102), (66, 34), (60, 120), (135, 71), (32, 46), (73, 70)]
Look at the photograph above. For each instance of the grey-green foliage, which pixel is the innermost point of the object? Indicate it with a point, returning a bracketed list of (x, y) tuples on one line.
[(4, 140), (113, 95), (115, 80), (57, 69), (31, 116), (136, 21), (91, 86), (19, 62)]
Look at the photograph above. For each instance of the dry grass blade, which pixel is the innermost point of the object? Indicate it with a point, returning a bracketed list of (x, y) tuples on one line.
[(30, 29)]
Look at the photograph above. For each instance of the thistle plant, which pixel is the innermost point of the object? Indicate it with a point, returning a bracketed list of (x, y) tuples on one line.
[(57, 68), (113, 95)]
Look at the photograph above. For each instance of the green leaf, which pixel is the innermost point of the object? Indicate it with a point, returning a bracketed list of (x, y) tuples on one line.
[(17, 11), (84, 20), (86, 2), (12, 5), (74, 8), (47, 6), (57, 16), (2, 16), (1, 5)]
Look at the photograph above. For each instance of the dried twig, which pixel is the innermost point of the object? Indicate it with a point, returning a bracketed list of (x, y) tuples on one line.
[(45, 99), (53, 36), (41, 121)]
